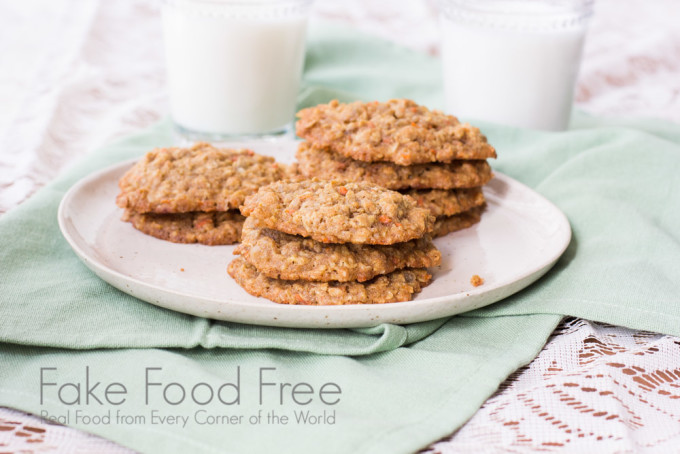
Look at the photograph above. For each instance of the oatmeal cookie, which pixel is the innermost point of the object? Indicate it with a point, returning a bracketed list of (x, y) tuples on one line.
[(282, 256), (447, 203), (398, 130), (200, 178), (334, 212), (391, 288), (214, 228), (447, 224), (325, 164)]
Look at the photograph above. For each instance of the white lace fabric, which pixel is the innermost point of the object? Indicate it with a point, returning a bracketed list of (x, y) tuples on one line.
[(593, 387)]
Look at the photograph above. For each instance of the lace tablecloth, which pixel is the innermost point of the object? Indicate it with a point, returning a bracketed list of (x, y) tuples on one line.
[(71, 75)]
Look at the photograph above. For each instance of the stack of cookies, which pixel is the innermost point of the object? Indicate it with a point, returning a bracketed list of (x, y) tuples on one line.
[(330, 243), (192, 195), (400, 145)]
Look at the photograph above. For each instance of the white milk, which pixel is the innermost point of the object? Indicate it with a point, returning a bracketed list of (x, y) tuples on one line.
[(509, 70), (232, 73)]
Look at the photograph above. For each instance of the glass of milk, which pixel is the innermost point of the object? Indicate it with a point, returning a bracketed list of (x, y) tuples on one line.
[(234, 67), (513, 62)]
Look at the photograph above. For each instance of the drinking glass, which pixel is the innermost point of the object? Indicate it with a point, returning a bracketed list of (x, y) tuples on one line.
[(513, 62), (234, 67)]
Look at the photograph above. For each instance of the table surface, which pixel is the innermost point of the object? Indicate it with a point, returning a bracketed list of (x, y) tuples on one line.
[(593, 386)]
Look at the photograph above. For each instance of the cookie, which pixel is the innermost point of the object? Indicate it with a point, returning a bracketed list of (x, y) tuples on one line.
[(334, 212), (214, 228), (448, 224), (447, 203), (391, 288), (200, 178), (282, 256), (398, 131), (328, 165)]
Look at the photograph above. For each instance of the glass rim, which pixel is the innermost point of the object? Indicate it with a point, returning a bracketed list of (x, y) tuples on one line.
[(558, 7), (241, 9), (537, 15), (239, 3)]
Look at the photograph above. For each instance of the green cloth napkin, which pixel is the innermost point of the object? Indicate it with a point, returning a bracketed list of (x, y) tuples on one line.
[(390, 402), (401, 387), (620, 189)]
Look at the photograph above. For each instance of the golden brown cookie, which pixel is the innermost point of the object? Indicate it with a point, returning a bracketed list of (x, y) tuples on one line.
[(328, 165), (282, 256), (391, 288), (334, 212), (200, 178), (441, 202), (398, 131), (214, 228), (447, 224)]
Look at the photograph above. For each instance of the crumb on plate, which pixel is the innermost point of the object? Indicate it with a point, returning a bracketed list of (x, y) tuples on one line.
[(476, 280)]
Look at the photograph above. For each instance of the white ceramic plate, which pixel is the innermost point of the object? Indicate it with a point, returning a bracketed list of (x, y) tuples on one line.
[(520, 237)]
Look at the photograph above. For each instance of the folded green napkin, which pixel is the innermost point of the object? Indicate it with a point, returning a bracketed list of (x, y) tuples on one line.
[(620, 189), (399, 388)]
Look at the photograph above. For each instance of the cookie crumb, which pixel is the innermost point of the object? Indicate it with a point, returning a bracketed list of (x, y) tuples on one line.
[(476, 280)]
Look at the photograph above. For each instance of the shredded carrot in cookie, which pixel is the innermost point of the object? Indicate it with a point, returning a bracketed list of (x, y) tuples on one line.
[(384, 219)]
